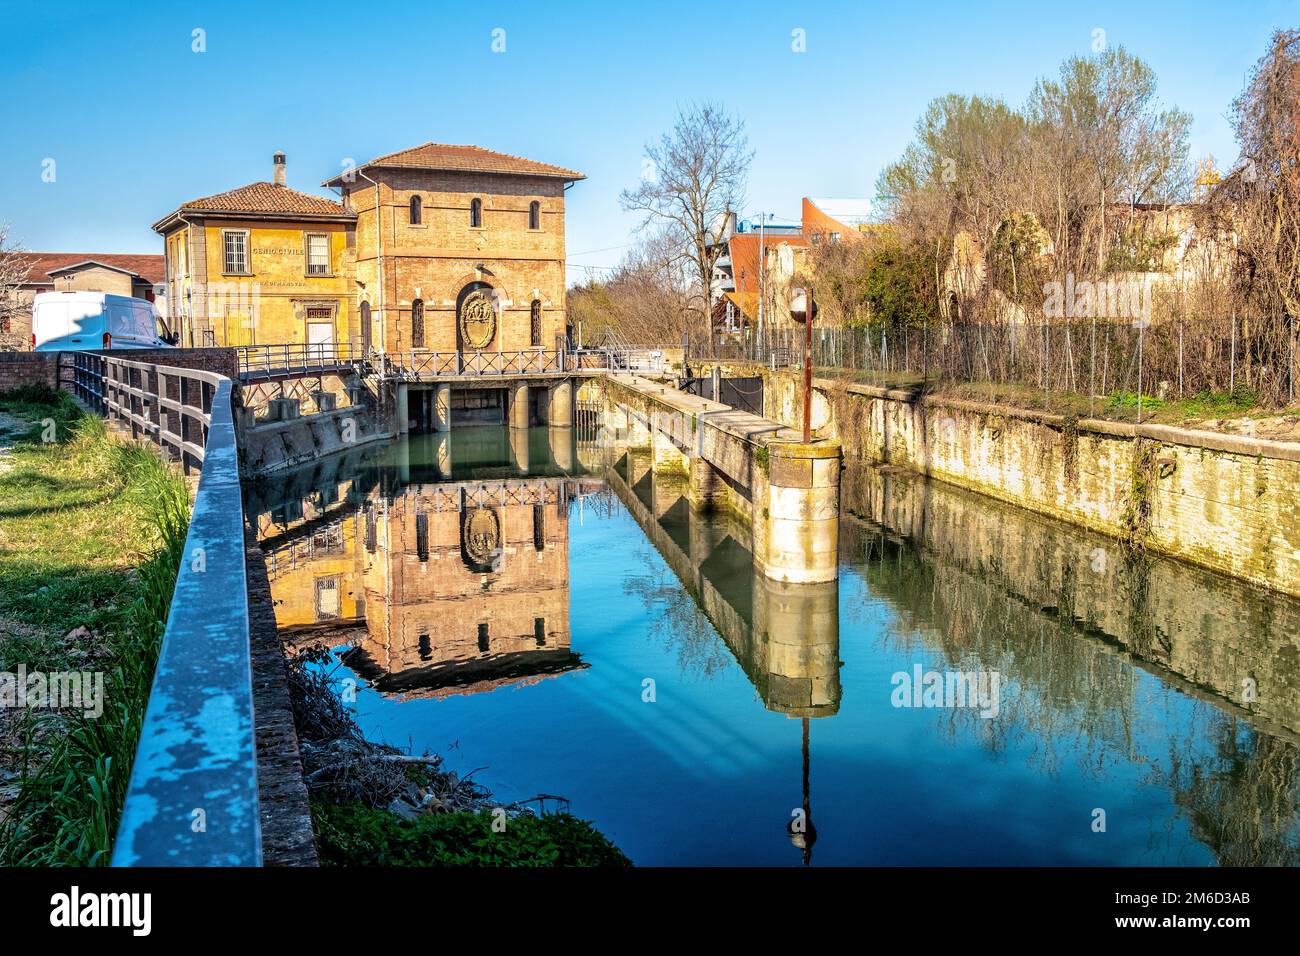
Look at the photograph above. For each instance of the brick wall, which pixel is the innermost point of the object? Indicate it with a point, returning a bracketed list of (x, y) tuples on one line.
[(18, 369), (437, 259), (223, 361)]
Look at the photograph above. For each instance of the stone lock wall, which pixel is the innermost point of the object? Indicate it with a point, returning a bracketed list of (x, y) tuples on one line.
[(1221, 501), (1205, 632), (788, 490)]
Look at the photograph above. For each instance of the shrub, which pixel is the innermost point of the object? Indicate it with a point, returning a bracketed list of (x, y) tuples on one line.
[(354, 835)]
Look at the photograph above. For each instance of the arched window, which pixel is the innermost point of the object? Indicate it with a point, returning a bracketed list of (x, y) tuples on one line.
[(534, 215), (476, 213), (417, 324), (535, 324), (416, 211), (366, 339)]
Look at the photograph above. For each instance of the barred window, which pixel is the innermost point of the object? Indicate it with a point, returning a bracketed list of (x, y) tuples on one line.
[(318, 254), (235, 245), (417, 324), (476, 213), (535, 215)]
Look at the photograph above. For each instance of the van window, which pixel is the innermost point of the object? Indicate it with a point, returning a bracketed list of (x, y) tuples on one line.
[(120, 321), (144, 322)]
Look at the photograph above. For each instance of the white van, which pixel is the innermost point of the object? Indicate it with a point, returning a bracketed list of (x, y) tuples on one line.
[(79, 321)]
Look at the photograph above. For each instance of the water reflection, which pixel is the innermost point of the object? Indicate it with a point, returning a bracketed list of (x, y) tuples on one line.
[(1075, 625), (784, 636), (454, 565), (446, 572)]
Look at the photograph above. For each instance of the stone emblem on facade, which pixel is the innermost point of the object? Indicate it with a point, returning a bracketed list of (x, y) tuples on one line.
[(481, 539), (478, 320)]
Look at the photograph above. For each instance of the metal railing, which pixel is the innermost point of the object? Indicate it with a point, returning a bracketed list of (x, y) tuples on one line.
[(290, 358), (170, 407), (196, 762), (296, 359), (426, 364)]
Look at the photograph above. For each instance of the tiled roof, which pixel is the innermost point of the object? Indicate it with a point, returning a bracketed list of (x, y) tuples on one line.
[(151, 268), (267, 198), (474, 159), (746, 302)]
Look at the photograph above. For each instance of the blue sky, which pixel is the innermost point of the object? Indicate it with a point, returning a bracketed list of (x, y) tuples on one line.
[(137, 122)]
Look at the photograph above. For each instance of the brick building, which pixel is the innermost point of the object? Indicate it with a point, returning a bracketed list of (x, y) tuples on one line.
[(437, 247)]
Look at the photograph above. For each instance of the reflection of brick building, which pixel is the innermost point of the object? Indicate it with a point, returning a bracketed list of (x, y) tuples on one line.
[(467, 589)]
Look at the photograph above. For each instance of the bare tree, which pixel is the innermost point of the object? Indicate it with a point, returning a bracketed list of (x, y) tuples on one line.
[(647, 300), (695, 176), (14, 267), (1260, 203)]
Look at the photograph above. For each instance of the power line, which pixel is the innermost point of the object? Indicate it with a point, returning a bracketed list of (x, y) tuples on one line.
[(606, 249)]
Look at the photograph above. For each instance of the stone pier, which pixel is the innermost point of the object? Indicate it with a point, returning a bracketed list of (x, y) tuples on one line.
[(761, 469)]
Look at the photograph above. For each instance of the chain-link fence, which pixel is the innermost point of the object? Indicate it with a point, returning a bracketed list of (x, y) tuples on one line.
[(1123, 363)]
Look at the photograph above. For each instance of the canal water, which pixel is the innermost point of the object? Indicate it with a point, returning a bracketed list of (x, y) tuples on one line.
[(553, 617)]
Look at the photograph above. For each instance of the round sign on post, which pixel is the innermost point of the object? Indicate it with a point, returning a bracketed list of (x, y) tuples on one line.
[(799, 297), (803, 309)]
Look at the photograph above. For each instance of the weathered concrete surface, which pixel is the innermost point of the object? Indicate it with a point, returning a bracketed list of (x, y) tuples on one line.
[(196, 760), (269, 447), (788, 490), (1224, 502)]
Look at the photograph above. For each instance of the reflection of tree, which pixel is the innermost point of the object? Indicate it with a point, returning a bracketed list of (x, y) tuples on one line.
[(1068, 685), (1242, 803), (676, 619), (1055, 687)]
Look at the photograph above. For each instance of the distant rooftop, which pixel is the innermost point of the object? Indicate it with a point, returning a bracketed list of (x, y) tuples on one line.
[(44, 265), (771, 224), (851, 212)]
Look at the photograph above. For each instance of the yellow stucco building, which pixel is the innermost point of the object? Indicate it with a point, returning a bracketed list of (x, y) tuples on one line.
[(260, 264)]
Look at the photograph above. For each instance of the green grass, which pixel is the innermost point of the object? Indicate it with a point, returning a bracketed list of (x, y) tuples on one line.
[(91, 535), (354, 835), (1128, 401)]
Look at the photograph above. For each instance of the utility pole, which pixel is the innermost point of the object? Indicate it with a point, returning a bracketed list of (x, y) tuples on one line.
[(807, 367), (762, 287), (804, 297)]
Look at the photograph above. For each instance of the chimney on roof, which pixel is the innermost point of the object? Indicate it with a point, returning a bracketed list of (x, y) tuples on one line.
[(278, 164)]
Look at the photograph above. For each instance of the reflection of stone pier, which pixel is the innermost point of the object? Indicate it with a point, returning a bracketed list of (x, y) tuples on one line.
[(785, 636)]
